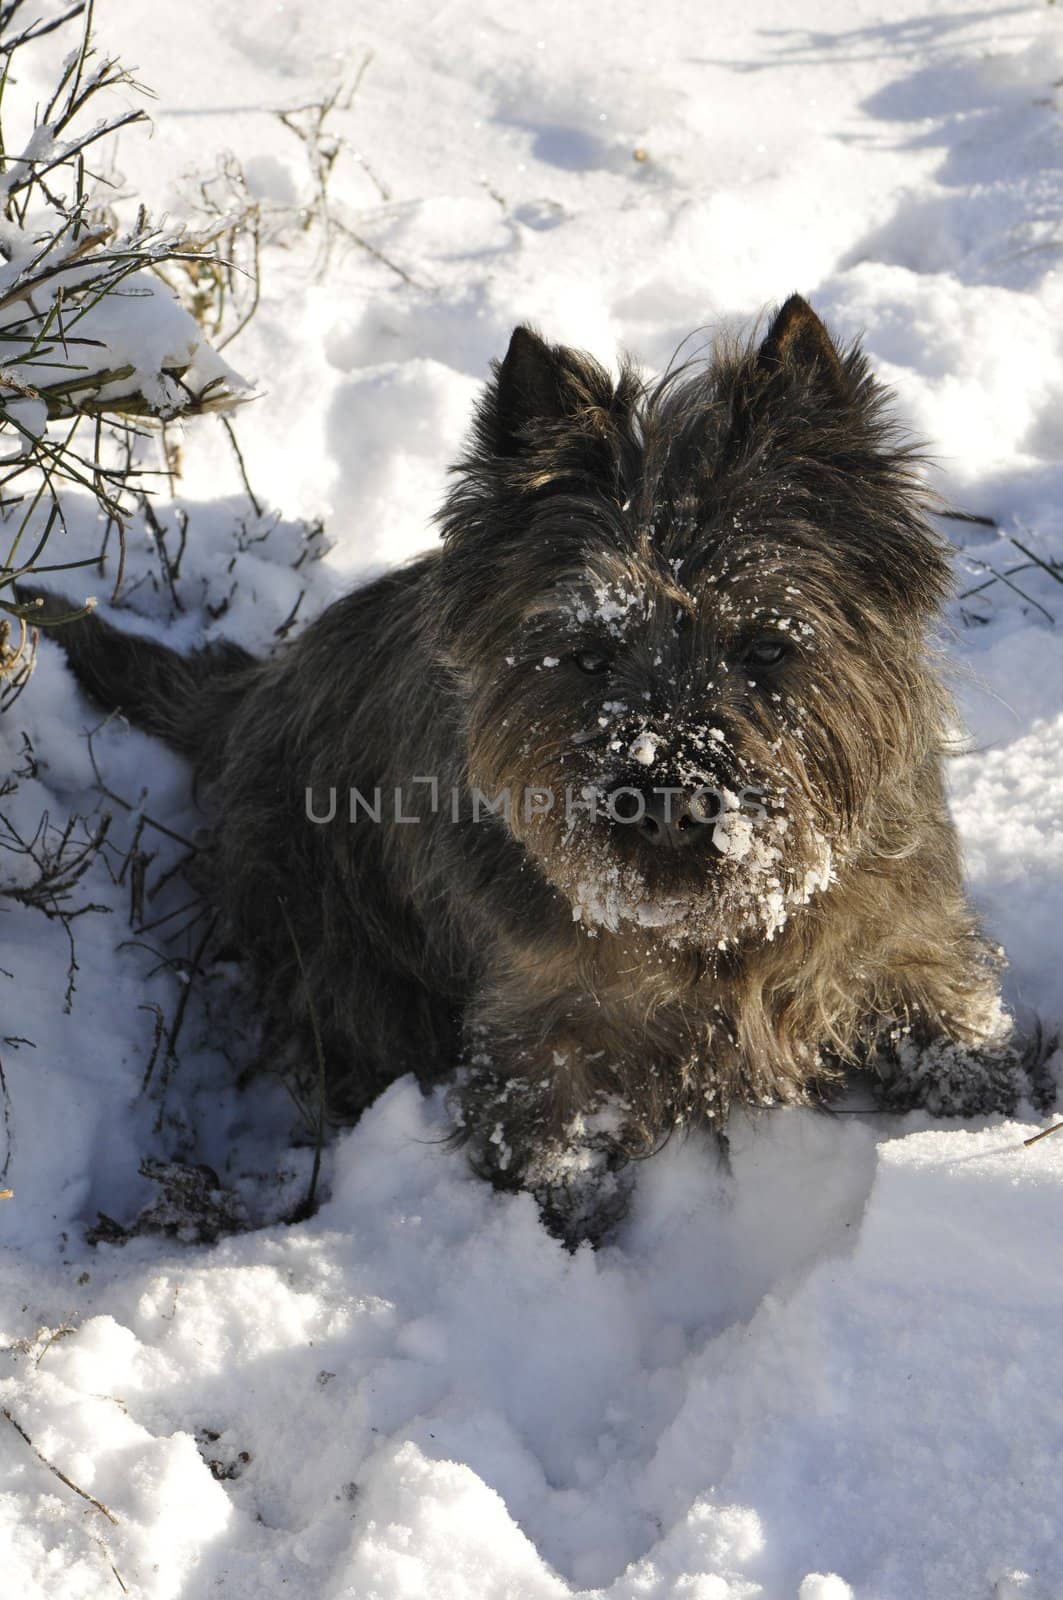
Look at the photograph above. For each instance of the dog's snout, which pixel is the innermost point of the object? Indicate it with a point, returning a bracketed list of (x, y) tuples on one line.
[(666, 818)]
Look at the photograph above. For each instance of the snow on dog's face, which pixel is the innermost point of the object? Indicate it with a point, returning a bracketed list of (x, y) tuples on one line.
[(689, 624), (652, 739)]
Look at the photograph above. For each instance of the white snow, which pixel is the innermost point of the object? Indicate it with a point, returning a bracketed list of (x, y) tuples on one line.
[(643, 749), (824, 1371)]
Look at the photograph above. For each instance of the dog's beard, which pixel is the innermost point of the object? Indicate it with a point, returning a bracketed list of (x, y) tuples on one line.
[(748, 876), (764, 851)]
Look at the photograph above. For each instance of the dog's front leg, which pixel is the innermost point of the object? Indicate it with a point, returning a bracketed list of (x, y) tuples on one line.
[(938, 1064), (541, 1107)]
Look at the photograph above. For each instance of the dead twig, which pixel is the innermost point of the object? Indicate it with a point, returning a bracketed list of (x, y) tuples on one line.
[(1043, 1134), (97, 1505), (1038, 561), (306, 1208), (127, 805), (1002, 577), (954, 515), (242, 465)]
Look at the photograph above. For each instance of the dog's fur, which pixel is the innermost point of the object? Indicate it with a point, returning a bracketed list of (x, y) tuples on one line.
[(619, 565)]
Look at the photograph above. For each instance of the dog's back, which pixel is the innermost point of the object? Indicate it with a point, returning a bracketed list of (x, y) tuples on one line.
[(324, 904)]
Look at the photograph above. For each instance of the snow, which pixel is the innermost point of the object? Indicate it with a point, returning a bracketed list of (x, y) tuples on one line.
[(643, 749), (822, 1369)]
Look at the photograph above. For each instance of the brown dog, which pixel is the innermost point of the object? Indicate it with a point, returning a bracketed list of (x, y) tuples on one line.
[(630, 795)]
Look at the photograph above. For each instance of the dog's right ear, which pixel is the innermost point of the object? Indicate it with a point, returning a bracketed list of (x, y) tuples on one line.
[(798, 344), (530, 386)]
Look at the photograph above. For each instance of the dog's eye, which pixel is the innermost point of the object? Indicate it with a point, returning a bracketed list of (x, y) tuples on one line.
[(767, 651), (593, 661)]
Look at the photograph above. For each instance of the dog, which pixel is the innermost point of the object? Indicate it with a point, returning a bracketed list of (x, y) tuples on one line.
[(628, 798)]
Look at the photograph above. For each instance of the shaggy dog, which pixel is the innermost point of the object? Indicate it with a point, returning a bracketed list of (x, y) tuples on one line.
[(629, 796)]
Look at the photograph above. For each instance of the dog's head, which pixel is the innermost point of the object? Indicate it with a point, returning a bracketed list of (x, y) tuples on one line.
[(690, 623)]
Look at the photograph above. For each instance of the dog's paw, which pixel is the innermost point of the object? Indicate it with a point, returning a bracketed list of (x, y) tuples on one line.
[(579, 1173), (584, 1190), (950, 1079)]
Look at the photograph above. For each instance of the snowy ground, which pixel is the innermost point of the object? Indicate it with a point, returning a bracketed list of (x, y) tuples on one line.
[(829, 1372)]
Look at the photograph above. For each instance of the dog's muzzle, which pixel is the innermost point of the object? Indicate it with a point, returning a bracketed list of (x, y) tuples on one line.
[(665, 818)]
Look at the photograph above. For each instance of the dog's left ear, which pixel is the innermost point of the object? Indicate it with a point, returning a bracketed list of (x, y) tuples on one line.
[(799, 344), (534, 383)]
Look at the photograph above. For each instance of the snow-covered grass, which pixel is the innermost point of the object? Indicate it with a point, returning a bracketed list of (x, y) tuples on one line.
[(823, 1371)]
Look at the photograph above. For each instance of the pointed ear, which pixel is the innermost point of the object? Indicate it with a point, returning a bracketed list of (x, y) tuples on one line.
[(799, 344), (529, 387)]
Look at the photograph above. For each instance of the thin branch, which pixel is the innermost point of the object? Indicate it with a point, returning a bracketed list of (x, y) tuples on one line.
[(953, 515), (251, 495), (97, 1505), (1038, 561), (306, 1209), (1043, 1134)]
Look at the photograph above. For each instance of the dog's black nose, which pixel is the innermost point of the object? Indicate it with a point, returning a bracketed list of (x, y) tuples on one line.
[(669, 819)]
